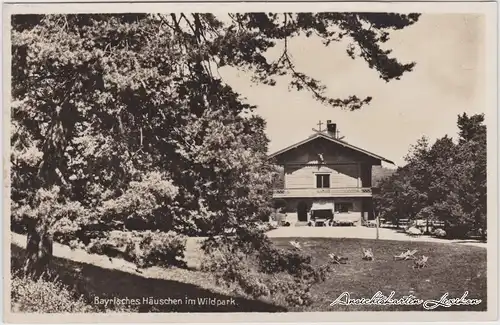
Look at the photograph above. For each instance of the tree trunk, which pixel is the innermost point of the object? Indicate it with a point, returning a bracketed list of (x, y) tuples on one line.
[(38, 248)]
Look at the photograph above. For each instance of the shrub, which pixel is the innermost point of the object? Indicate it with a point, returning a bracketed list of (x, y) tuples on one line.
[(281, 260), (456, 230), (43, 296), (144, 248), (439, 232), (235, 268), (263, 271), (47, 294)]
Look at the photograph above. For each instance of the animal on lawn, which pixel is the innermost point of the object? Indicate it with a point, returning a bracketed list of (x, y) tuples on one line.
[(337, 259), (421, 263), (408, 255), (295, 244), (368, 254)]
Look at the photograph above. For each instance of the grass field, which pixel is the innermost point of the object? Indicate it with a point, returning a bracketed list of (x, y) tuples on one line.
[(452, 269)]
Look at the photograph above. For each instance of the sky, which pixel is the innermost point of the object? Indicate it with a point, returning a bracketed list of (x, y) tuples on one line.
[(448, 79)]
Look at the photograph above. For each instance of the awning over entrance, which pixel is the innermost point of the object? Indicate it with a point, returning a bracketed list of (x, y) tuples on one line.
[(322, 206)]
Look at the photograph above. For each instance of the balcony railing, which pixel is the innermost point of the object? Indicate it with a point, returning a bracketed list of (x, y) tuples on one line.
[(323, 192)]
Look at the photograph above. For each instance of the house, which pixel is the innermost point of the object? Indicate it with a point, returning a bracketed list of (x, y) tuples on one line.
[(324, 172)]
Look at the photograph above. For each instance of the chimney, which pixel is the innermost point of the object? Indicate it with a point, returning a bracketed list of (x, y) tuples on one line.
[(331, 128)]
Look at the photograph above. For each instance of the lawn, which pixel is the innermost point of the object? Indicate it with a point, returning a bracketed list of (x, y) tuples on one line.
[(453, 268)]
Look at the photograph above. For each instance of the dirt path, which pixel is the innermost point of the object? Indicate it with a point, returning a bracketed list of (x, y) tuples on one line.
[(193, 257), (362, 233), (193, 254)]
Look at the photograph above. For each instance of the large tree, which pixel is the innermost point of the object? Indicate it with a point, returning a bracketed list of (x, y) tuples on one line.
[(121, 122), (445, 181)]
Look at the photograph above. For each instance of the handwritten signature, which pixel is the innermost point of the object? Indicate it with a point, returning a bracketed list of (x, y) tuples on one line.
[(380, 299)]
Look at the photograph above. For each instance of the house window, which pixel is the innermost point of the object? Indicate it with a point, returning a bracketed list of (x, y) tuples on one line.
[(341, 207), (322, 180)]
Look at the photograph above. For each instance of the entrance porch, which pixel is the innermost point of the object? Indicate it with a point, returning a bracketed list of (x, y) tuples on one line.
[(298, 210)]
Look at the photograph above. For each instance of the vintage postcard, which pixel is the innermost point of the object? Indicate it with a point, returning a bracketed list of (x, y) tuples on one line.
[(250, 162)]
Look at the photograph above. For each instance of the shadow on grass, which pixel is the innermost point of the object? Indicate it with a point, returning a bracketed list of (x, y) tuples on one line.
[(99, 283)]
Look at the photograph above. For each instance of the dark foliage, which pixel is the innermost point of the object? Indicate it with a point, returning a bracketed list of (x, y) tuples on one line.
[(443, 182)]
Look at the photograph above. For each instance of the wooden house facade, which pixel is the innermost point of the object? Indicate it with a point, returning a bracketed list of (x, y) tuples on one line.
[(324, 168)]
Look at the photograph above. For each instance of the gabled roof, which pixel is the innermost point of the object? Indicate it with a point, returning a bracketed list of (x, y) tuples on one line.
[(329, 138)]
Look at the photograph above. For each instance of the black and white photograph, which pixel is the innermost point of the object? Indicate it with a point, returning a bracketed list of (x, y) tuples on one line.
[(250, 161)]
